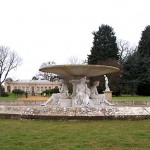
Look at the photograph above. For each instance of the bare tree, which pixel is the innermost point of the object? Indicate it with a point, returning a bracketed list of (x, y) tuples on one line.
[(50, 63), (125, 50), (9, 60), (73, 60), (46, 75), (85, 62), (76, 60)]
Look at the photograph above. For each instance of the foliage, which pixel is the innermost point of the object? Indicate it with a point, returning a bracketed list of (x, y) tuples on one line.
[(143, 87), (18, 91), (47, 92), (11, 96), (35, 78), (104, 45), (144, 43), (137, 66), (113, 83), (74, 135), (5, 94), (105, 52), (51, 91), (130, 74)]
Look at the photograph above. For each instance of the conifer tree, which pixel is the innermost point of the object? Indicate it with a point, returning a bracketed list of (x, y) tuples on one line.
[(105, 52), (104, 45), (144, 43), (144, 63)]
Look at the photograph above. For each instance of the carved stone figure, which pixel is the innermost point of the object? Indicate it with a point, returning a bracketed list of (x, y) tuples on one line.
[(55, 98), (95, 95), (106, 83), (82, 93)]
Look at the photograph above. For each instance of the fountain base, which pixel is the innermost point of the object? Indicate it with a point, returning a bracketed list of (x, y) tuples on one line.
[(75, 113)]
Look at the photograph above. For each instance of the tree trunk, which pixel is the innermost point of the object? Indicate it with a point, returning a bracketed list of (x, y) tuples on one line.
[(0, 89)]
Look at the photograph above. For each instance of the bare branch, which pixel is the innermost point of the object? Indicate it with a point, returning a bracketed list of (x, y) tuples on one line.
[(9, 60), (74, 60), (125, 50)]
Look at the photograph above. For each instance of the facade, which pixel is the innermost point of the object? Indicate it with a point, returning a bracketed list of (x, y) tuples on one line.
[(31, 86)]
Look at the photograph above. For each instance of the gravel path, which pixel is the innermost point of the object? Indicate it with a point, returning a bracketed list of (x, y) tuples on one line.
[(33, 98)]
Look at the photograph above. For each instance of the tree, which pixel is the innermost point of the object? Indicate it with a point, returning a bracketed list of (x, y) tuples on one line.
[(144, 62), (9, 60), (144, 43), (137, 66), (35, 78), (130, 73), (45, 75), (105, 52), (76, 60), (127, 61), (125, 50), (104, 45)]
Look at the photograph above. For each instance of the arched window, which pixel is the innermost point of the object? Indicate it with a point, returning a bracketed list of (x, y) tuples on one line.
[(41, 88), (23, 88), (38, 89), (8, 89), (56, 87), (27, 89)]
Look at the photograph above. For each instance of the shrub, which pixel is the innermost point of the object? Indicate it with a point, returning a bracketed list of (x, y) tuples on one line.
[(4, 94), (17, 91), (51, 91), (116, 93)]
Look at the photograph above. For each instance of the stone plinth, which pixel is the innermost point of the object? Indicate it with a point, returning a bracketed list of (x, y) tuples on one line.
[(108, 95)]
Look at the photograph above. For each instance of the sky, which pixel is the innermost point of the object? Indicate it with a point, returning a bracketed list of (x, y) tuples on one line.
[(56, 30)]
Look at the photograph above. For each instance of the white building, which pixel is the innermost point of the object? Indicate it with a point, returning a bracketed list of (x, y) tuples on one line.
[(36, 86)]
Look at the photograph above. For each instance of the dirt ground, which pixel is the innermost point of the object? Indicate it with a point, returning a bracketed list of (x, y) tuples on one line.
[(33, 98)]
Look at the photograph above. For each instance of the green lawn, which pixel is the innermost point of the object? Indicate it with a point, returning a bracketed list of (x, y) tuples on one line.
[(74, 135), (119, 98), (10, 97), (131, 98)]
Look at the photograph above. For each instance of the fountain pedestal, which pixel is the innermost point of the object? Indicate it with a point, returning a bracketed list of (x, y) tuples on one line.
[(108, 95)]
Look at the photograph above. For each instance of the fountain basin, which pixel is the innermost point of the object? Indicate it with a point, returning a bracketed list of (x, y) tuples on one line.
[(78, 71)]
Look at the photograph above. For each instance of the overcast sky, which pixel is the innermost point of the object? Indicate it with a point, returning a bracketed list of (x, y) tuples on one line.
[(54, 30)]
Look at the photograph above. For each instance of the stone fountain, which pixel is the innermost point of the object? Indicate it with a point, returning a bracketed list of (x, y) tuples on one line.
[(77, 73), (78, 105)]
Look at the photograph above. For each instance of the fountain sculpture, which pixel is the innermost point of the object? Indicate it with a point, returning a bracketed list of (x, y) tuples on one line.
[(82, 95), (84, 102)]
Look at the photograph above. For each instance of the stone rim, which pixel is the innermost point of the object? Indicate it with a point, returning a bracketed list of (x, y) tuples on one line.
[(77, 71)]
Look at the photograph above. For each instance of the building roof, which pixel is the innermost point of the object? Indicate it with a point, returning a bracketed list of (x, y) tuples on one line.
[(34, 81)]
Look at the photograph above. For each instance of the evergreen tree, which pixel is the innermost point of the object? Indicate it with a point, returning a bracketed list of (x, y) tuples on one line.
[(130, 73), (144, 63), (144, 43), (105, 52), (104, 45), (136, 69)]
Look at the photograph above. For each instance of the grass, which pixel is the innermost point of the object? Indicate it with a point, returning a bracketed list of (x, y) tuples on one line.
[(119, 98), (131, 98), (74, 135), (10, 97)]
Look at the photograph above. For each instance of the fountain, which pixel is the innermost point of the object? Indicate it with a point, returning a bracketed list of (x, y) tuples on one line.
[(78, 75), (84, 103)]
